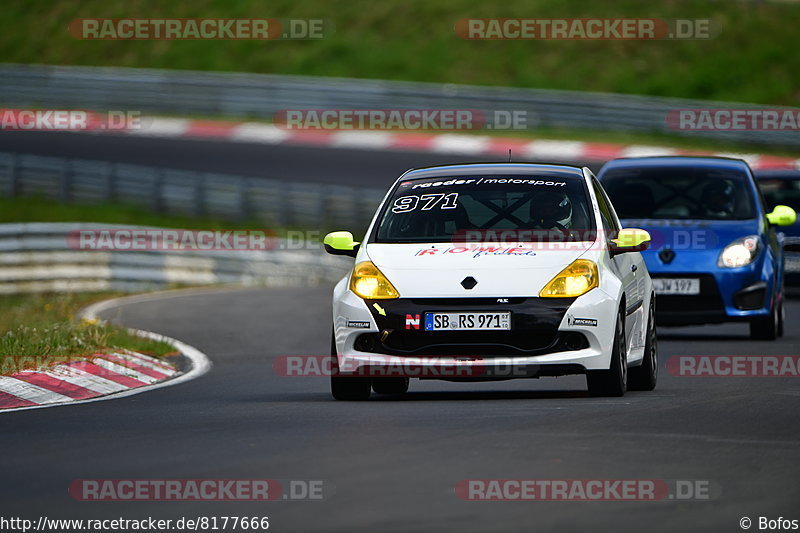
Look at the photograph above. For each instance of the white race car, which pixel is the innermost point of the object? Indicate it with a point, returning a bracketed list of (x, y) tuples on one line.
[(493, 271)]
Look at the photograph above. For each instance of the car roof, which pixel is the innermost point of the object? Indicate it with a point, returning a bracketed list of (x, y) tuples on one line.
[(775, 173), (476, 169), (677, 161)]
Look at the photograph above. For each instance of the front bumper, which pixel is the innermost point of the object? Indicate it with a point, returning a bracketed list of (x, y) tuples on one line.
[(709, 306), (545, 338), (739, 294)]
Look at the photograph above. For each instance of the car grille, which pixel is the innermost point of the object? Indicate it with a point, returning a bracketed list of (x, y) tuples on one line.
[(534, 323)]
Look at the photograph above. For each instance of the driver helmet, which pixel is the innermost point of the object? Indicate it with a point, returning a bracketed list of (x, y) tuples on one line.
[(551, 210), (718, 197)]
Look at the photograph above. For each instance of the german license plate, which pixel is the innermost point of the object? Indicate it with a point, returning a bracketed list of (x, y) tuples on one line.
[(676, 285), (467, 321)]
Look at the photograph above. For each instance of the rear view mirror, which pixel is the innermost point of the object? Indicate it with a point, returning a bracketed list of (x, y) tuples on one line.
[(782, 215), (340, 243), (630, 240)]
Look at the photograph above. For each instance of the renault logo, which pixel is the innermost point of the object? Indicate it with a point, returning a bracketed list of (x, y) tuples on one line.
[(666, 255)]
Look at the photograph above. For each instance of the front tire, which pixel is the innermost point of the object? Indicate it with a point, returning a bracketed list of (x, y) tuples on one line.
[(344, 387), (645, 376), (614, 381), (767, 328)]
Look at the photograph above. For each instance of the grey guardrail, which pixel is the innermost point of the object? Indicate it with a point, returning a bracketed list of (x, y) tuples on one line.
[(269, 202), (37, 257), (261, 96)]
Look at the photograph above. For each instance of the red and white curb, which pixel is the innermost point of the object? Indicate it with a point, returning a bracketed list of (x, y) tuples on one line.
[(474, 145), (95, 376), (102, 376)]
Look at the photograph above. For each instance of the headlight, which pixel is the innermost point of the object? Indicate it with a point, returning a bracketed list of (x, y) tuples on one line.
[(578, 278), (739, 253), (369, 283)]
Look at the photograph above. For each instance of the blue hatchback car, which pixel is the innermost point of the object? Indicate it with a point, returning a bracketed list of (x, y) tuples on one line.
[(782, 187), (714, 255)]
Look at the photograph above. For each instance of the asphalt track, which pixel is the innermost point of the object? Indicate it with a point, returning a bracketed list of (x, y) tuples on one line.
[(391, 464)]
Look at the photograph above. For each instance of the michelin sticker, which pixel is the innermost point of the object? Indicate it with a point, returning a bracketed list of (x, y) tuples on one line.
[(572, 321)]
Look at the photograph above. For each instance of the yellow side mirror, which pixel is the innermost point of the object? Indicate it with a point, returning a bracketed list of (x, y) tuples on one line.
[(340, 243), (630, 240), (782, 215)]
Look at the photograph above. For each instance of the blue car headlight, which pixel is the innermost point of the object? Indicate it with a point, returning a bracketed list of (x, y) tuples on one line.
[(739, 253)]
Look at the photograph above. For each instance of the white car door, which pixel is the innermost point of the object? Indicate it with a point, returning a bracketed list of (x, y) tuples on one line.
[(629, 268)]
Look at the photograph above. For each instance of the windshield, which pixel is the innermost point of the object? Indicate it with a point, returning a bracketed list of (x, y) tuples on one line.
[(698, 193), (781, 192), (443, 209)]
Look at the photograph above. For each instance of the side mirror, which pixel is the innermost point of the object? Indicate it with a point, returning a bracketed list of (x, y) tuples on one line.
[(340, 243), (782, 215), (629, 240)]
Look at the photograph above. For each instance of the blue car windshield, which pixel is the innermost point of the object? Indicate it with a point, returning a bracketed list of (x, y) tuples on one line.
[(696, 193)]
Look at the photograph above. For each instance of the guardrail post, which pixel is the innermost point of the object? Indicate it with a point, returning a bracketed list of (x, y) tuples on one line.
[(66, 182), (324, 194), (277, 199), (199, 195), (286, 204), (13, 186), (111, 182), (244, 203), (367, 208), (158, 189)]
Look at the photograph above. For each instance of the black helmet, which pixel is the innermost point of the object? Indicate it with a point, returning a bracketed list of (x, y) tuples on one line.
[(718, 196), (551, 209)]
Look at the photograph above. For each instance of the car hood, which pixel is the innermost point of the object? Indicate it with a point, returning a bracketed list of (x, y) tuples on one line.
[(437, 270), (696, 243), (689, 235)]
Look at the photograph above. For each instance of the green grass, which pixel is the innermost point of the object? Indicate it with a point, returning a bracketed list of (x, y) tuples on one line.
[(753, 58), (38, 330)]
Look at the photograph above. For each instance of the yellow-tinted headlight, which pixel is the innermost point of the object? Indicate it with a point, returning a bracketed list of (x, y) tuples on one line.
[(369, 283), (578, 278)]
